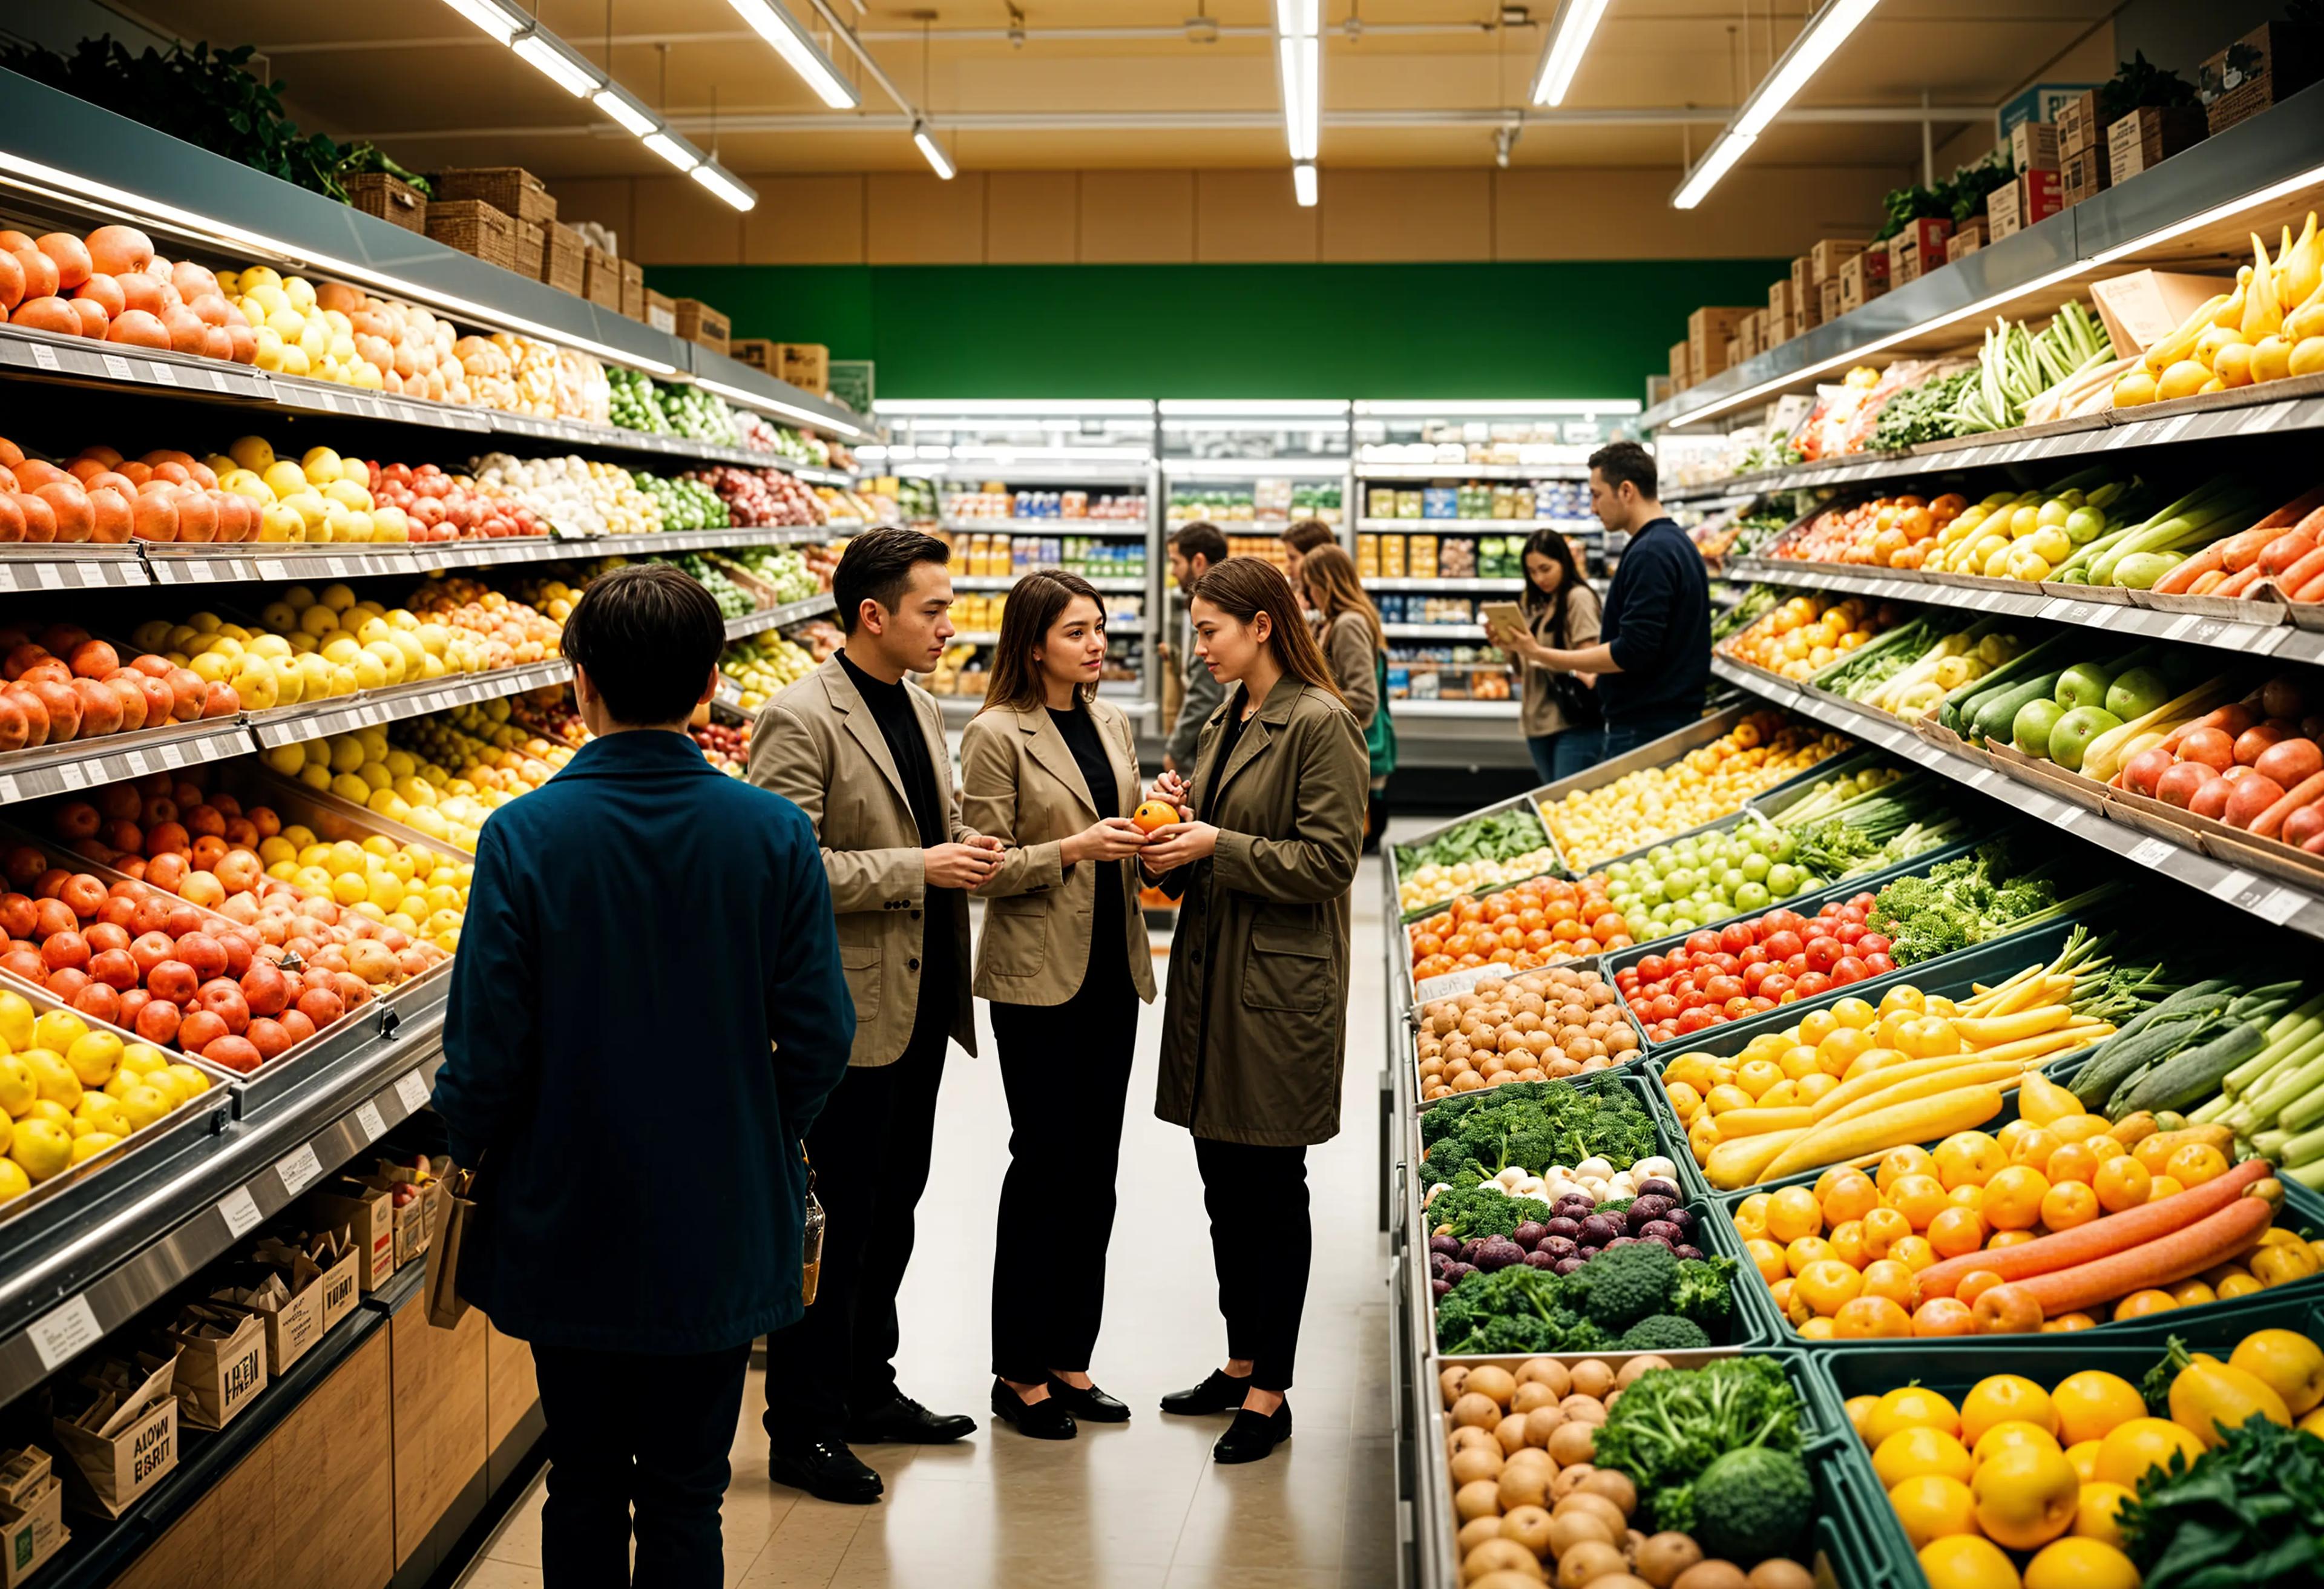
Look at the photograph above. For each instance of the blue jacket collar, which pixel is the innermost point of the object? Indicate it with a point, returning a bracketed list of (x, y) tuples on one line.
[(647, 750)]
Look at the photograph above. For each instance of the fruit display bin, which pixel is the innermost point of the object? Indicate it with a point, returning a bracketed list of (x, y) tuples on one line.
[(1499, 808)]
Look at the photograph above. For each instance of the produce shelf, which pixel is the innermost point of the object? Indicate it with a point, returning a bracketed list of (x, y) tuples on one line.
[(1450, 586), (77, 765), (662, 541), (2279, 903), (369, 709), (2268, 636), (814, 607), (1444, 471), (1471, 634), (1007, 581), (79, 567), (1453, 526)]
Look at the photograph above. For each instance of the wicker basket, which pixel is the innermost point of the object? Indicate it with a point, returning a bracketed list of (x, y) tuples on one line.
[(474, 226), (601, 279), (634, 289), (699, 323), (390, 198), (529, 247), (511, 189), (561, 255)]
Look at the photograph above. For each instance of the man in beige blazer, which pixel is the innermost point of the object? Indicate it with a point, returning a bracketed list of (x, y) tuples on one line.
[(862, 752)]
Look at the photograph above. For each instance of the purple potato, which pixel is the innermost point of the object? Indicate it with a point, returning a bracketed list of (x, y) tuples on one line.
[(1682, 1218), (1529, 1235), (1461, 1271), (1468, 1251), (1621, 1242), (1558, 1246), (1568, 1265), (1563, 1226), (1575, 1205), (1657, 1186), (1539, 1260), (1500, 1252), (1449, 1245), (1684, 1250), (1656, 1241), (1642, 1209), (1662, 1231), (1586, 1253), (1440, 1285), (1438, 1263), (1601, 1228)]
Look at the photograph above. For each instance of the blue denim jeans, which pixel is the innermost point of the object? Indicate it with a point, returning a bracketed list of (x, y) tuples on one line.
[(1565, 752)]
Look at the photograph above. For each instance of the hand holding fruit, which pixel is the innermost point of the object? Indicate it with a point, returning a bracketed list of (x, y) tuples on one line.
[(1171, 790), (1115, 839), (1180, 845), (962, 865)]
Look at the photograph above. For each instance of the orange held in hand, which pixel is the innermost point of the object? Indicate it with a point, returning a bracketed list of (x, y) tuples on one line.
[(1153, 814)]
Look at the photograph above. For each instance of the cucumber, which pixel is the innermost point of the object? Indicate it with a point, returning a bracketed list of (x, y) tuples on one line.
[(1961, 702), (1996, 714), (2194, 1072)]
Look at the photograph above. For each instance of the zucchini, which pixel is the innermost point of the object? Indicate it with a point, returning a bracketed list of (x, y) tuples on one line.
[(2195, 1072), (1957, 706), (2148, 1035), (1995, 715)]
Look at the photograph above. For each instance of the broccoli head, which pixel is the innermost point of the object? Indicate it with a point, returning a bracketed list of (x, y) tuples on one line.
[(1484, 1210), (1704, 1290), (1663, 1332), (1623, 1285), (1753, 1503)]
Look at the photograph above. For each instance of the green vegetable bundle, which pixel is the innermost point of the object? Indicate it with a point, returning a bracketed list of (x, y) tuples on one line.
[(1672, 1427), (1501, 836), (1922, 414), (1960, 903), (1637, 1298), (2016, 365), (2247, 1514), (1548, 1124)]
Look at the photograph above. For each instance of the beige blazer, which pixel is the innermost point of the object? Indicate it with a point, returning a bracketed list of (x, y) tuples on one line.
[(818, 745), (1019, 781), (1348, 647)]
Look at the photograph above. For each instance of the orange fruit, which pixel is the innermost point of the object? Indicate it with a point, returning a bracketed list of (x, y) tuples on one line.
[(1898, 1162), (2079, 1128), (1755, 1076), (2139, 1304), (2073, 1161), (1798, 1063), (1917, 1198), (2008, 1238), (1956, 1230), (1847, 1243), (1782, 1293), (1854, 1013), (1968, 1196), (2010, 1435), (1751, 1215), (2121, 1182), (1904, 999), (2192, 1293), (1910, 1452), (2084, 1455), (2013, 1198), (1844, 1047), (2034, 1146), (1807, 1249), (1153, 814), (1883, 1229), (1999, 1398), (1892, 1279), (2026, 1495), (1767, 1258), (1827, 1285), (1968, 1159), (2092, 1404), (1944, 1316), (1816, 1329), (1933, 1506), (2095, 1509), (2105, 1148), (1976, 1283), (2069, 1203), (1967, 1561), (1846, 1194), (2195, 1163), (1792, 1213), (1871, 1318), (1859, 1409), (2164, 1186), (1817, 1025), (2238, 1284), (1914, 1253), (2131, 1448), (2066, 1322), (2080, 1564)]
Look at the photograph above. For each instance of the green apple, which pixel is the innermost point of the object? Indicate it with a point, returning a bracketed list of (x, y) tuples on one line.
[(2071, 734), (2136, 693), (2083, 685), (2031, 730)]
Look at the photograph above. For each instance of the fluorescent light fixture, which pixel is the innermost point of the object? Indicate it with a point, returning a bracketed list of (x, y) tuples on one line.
[(775, 405), (778, 28), (1421, 408), (1302, 183), (1299, 61), (1731, 147), (1569, 39), (938, 161), (714, 177), (1247, 407), (501, 22), (1114, 456), (626, 112), (1013, 408), (671, 150), (539, 52), (1826, 31)]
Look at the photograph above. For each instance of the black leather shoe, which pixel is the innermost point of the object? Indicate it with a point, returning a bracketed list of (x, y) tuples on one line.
[(826, 1472), (906, 1422), (1092, 1405), (1253, 1435), (1046, 1420), (1222, 1392)]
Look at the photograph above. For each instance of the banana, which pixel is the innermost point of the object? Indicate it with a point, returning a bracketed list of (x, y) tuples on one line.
[(2263, 315)]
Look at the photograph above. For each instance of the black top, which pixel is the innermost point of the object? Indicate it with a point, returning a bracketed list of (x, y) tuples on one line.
[(1657, 621), (1082, 737), (899, 724), (1108, 915)]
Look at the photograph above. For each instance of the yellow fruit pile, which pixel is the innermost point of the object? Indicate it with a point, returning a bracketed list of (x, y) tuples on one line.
[(2018, 1472), (2270, 326), (763, 665), (420, 891), (1804, 635), (67, 1092), (322, 497), (510, 632), (444, 781), (310, 648), (1595, 825)]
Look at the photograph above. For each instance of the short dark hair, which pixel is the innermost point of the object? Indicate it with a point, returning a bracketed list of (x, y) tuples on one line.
[(1617, 461), (1307, 534), (649, 634), (1201, 538), (878, 565)]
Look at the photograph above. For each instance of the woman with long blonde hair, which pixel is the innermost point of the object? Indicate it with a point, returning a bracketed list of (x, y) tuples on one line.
[(1356, 645)]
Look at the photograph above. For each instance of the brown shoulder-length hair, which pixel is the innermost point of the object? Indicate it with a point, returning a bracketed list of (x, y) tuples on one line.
[(1034, 604), (1329, 576), (1243, 587)]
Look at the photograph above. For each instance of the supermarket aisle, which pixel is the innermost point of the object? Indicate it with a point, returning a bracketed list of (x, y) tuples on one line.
[(1140, 1507)]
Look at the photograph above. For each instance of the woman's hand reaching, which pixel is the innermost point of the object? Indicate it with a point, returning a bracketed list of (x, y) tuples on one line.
[(1115, 838)]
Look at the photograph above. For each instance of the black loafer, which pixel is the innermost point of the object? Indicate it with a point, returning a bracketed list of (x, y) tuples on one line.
[(1091, 1405), (1046, 1420), (1222, 1392), (906, 1422), (1253, 1435), (826, 1472)]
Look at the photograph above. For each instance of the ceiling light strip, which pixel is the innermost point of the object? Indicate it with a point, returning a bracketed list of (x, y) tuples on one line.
[(779, 29), (1824, 34), (934, 152), (1569, 39), (1299, 63)]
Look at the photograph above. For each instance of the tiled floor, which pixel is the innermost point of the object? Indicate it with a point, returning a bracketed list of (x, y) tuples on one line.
[(1140, 1507)]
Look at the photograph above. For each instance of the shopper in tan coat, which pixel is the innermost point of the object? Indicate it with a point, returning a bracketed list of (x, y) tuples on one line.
[(1255, 1033), (1050, 770), (862, 752), (1355, 642)]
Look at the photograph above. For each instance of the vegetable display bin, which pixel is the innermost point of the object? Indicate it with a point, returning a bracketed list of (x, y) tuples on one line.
[(1669, 1141)]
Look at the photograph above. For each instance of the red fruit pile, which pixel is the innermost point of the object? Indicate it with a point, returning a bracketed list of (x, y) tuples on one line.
[(66, 686), (1748, 966), (104, 499), (449, 507), (758, 498), (120, 291), (723, 746), (2257, 765)]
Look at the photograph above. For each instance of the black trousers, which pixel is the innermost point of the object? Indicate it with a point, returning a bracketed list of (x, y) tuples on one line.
[(1065, 1068), (870, 1149), (628, 1431), (1262, 1284)]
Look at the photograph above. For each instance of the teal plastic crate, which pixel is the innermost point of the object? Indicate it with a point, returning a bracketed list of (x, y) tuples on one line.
[(1670, 1141)]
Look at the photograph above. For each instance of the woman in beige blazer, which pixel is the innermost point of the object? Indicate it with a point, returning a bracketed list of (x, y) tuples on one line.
[(1355, 643), (1255, 1032), (1051, 771)]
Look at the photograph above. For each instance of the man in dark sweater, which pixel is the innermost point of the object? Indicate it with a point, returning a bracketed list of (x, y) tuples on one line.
[(1652, 655)]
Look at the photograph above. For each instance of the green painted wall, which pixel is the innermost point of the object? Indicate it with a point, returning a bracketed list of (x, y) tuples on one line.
[(1582, 329)]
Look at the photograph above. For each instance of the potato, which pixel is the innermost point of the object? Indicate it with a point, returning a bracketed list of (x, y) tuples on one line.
[(1620, 1581), (1501, 1555), (1475, 1532), (1451, 1381), (1477, 1461), (1634, 1367), (1587, 1563), (1530, 1527), (1473, 1408), (1510, 1433), (1476, 1499), (1592, 1377), (1576, 1527), (1507, 1580), (1714, 1574), (1548, 1371), (1467, 1436), (1582, 1409), (1568, 1479), (1543, 1422), (1494, 1382), (1578, 1499), (1533, 1393), (1780, 1572), (1525, 1484), (1573, 1442), (1616, 1486)]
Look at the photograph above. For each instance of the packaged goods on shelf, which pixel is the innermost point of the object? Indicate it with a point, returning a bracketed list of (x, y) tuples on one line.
[(116, 1424), (1434, 557), (1539, 499), (999, 503), (1278, 500), (1422, 672)]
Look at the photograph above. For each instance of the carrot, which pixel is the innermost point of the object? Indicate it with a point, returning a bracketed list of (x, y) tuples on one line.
[(2217, 718), (2311, 591), (2210, 561), (2299, 573), (2115, 1232), (2165, 1260), (2238, 550), (2208, 582), (2270, 822), (2306, 505), (2236, 584), (2285, 551)]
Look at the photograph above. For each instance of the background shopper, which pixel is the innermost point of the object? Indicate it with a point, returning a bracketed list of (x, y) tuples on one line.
[(1256, 1027), (1653, 660), (1051, 771), (1302, 538), (1195, 550), (580, 969), (1564, 728), (1356, 646), (862, 754)]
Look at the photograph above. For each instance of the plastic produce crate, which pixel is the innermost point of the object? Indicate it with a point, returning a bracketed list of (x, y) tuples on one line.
[(1669, 1142)]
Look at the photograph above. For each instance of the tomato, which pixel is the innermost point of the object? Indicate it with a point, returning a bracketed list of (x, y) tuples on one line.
[(1664, 1007), (1703, 943), (1872, 943), (1878, 965), (1762, 1003), (1848, 968), (1728, 965), (1848, 932), (1823, 953), (1863, 901), (1783, 944), (1695, 1020), (1682, 985), (1754, 956), (1653, 968), (1811, 984), (1755, 974), (1718, 990), (1694, 1000), (1786, 921), (1736, 937), (1776, 984), (1797, 963), (1737, 1008), (1852, 911)]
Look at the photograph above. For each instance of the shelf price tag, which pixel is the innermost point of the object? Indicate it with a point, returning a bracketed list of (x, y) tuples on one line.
[(2232, 886), (239, 1209), (2071, 612), (2153, 851), (119, 368), (44, 355), (370, 1120), (300, 1169), (63, 1334), (2278, 906), (412, 1089)]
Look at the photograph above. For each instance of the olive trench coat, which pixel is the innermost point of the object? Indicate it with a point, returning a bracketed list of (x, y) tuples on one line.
[(1254, 1032)]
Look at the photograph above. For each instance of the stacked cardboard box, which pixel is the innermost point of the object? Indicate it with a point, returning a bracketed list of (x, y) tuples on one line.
[(1709, 332), (1863, 277), (2016, 205), (1918, 249), (2258, 71), (2150, 135), (1966, 241)]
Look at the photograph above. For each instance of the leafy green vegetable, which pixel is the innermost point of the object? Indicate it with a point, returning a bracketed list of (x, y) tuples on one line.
[(1960, 903), (1552, 1122), (1703, 1291), (1920, 414), (1522, 1309), (1623, 1285), (1519, 1308), (1484, 1210), (2247, 1514), (2139, 83), (1672, 1423), (1501, 836)]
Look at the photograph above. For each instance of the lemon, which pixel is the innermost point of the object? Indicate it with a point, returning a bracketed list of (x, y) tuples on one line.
[(88, 1147), (142, 1104), (53, 1078), (1998, 1398), (2288, 1363), (40, 1149), (104, 1113), (15, 1021), (13, 1181), (1909, 1407), (1916, 1450), (59, 1029), (2080, 1564), (1964, 1561), (1933, 1506), (2092, 1404), (2011, 1433), (190, 1081), (2095, 1511), (142, 1059), (2026, 1495), (17, 1088)]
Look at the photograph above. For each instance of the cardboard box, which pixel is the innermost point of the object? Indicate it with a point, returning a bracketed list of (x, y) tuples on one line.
[(2141, 309), (1679, 365), (32, 1526), (758, 352), (2033, 147), (1779, 296), (1803, 281), (1751, 334), (511, 189), (2085, 175), (2077, 123), (367, 1216), (1735, 354), (1966, 241), (1807, 312), (634, 289), (221, 1354), (23, 1474), (123, 1442), (1863, 278), (2258, 71), (1826, 257), (530, 240), (601, 278), (699, 323), (280, 1284), (661, 313), (1774, 331), (1707, 332), (1829, 309), (1920, 246), (2014, 205), (2150, 135), (808, 366)]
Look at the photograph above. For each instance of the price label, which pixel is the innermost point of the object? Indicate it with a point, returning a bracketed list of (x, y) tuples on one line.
[(72, 775), (2153, 851), (2071, 612), (164, 374), (1982, 777), (2278, 905), (370, 1121), (217, 379), (2231, 885), (271, 569), (137, 764), (2069, 817), (172, 756), (300, 1170), (64, 1333), (44, 355), (411, 1087), (49, 577), (239, 1209)]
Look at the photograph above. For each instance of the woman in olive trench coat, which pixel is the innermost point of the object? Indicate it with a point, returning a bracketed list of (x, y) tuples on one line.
[(1254, 1032)]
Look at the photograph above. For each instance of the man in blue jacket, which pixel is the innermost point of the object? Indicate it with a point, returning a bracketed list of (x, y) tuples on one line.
[(647, 1012)]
